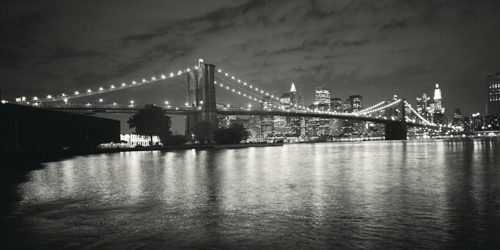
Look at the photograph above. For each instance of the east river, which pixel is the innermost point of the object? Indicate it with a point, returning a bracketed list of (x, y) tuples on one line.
[(424, 194)]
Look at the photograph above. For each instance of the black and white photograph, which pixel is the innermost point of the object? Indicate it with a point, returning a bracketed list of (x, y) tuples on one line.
[(249, 124)]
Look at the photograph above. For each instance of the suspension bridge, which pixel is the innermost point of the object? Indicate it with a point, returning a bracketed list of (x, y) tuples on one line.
[(201, 82)]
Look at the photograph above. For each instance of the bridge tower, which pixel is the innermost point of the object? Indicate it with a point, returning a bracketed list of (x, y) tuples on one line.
[(200, 94), (397, 130)]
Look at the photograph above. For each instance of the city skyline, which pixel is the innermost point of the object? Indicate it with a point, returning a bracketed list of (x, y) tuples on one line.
[(376, 50)]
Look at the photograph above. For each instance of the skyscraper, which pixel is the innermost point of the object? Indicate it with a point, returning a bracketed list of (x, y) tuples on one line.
[(438, 100), (422, 104), (336, 104), (493, 94), (356, 102), (322, 96)]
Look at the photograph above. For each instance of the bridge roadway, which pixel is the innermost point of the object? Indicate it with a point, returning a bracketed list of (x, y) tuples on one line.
[(185, 110)]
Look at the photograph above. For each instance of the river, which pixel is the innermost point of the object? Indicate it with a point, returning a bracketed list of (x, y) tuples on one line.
[(422, 194)]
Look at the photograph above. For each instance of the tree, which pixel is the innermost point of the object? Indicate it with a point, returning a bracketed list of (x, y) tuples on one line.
[(231, 135), (150, 121), (203, 131)]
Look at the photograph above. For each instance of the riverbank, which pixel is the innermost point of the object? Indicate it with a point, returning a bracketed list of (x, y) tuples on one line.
[(30, 157)]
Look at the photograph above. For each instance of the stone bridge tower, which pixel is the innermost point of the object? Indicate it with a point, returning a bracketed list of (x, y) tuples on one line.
[(200, 94)]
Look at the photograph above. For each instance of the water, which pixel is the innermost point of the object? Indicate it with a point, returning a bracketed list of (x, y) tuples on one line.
[(434, 194)]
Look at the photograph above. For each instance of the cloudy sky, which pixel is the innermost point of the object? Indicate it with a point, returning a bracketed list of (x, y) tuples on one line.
[(372, 48)]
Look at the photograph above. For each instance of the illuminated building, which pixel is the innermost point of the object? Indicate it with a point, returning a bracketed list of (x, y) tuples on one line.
[(133, 140), (336, 104), (438, 100), (322, 95), (266, 102), (293, 96), (422, 104), (347, 106), (493, 94), (300, 100), (356, 102)]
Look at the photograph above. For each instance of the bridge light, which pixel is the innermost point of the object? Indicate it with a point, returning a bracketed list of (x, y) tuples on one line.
[(226, 74), (143, 80), (49, 96), (166, 102), (101, 88), (251, 87), (153, 78), (256, 89), (244, 83), (114, 103), (88, 90), (233, 90), (76, 93), (179, 73), (66, 100), (232, 77), (132, 102), (262, 91), (187, 104), (171, 74), (227, 87), (123, 84), (267, 93), (112, 86), (244, 94), (239, 93), (219, 70), (100, 100), (239, 80), (221, 85)]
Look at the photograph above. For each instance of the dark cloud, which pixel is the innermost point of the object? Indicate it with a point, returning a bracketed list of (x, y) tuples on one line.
[(374, 48)]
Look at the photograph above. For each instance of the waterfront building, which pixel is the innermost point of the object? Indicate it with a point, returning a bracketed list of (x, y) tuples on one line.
[(133, 140), (29, 129), (493, 94)]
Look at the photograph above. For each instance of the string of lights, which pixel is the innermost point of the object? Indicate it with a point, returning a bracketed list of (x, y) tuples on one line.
[(383, 107), (241, 90), (101, 90), (254, 88), (363, 111), (419, 116)]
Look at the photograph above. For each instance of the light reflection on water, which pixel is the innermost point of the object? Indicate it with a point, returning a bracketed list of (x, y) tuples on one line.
[(418, 194)]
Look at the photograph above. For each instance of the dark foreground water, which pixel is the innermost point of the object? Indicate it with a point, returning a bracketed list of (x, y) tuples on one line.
[(431, 194)]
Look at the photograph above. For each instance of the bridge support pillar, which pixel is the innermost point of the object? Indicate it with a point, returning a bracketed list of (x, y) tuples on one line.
[(200, 94), (396, 131)]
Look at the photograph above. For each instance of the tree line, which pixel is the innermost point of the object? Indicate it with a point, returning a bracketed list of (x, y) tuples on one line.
[(153, 121)]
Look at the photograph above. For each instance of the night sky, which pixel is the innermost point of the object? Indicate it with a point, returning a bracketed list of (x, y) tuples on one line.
[(372, 48)]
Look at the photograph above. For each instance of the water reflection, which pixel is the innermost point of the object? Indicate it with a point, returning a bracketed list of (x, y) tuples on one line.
[(428, 194)]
